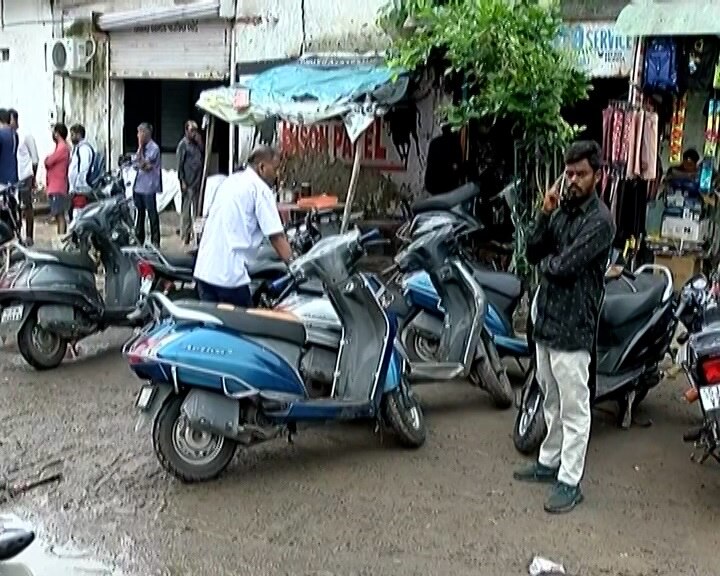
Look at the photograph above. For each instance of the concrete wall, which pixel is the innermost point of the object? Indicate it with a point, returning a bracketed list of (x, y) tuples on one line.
[(277, 29), (26, 84)]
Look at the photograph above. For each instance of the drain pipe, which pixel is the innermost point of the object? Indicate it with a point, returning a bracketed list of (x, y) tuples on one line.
[(108, 104), (232, 128)]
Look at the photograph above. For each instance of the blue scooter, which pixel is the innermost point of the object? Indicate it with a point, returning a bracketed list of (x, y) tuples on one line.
[(422, 331), (220, 376)]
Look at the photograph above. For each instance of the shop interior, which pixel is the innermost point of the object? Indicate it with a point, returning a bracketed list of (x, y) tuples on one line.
[(167, 105), (661, 156)]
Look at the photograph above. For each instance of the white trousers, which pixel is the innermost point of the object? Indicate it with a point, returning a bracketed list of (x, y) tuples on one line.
[(563, 379)]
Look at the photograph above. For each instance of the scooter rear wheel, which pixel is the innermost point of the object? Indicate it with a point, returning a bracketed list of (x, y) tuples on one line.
[(40, 348), (403, 414), (189, 455)]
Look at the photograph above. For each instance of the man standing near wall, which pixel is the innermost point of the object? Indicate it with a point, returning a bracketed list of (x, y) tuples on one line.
[(81, 161), (27, 161), (190, 169), (148, 184)]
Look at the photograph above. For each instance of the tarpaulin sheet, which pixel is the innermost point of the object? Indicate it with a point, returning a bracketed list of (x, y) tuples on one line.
[(313, 89)]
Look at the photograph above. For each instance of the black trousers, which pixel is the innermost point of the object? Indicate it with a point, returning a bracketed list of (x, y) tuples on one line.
[(146, 204)]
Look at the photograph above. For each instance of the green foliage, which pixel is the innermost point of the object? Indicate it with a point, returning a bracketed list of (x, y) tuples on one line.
[(512, 70), (508, 56)]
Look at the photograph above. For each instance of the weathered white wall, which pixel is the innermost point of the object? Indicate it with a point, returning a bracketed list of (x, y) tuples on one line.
[(277, 29), (26, 84)]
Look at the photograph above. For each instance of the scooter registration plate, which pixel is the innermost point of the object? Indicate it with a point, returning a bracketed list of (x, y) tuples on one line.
[(710, 397), (12, 314)]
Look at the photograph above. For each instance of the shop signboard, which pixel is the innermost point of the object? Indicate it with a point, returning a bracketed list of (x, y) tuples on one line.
[(600, 50), (377, 149)]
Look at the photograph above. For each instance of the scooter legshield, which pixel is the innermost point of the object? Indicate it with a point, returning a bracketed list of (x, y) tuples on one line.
[(225, 362)]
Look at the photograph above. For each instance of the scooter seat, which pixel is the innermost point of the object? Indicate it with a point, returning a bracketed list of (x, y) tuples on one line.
[(186, 261), (501, 282), (627, 300), (78, 260), (253, 322), (448, 200)]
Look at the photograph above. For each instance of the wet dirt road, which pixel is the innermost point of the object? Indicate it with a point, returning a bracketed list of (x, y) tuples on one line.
[(338, 502)]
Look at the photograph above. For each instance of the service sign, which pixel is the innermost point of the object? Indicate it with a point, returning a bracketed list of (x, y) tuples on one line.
[(331, 139), (600, 50)]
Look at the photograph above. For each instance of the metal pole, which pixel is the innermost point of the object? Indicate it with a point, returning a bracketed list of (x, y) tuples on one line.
[(352, 187), (206, 165)]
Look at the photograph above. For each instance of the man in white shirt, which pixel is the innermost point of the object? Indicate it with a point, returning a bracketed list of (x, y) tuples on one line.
[(81, 159), (242, 214), (27, 161)]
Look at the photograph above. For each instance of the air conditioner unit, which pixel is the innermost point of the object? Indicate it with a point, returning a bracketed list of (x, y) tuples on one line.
[(70, 55)]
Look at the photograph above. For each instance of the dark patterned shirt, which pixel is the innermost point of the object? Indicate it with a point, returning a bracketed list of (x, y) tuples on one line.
[(572, 248)]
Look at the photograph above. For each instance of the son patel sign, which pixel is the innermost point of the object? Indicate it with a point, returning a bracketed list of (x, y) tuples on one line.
[(376, 147), (599, 49)]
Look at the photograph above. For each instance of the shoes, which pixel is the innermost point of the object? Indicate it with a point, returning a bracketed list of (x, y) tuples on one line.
[(563, 498), (536, 473)]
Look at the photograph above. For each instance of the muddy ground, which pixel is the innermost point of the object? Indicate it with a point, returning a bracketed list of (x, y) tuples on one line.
[(340, 502)]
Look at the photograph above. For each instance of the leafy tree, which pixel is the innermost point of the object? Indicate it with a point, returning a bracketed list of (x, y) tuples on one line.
[(511, 68)]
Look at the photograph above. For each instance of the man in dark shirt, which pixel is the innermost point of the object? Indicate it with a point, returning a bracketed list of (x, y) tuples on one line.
[(8, 150), (570, 241), (190, 161)]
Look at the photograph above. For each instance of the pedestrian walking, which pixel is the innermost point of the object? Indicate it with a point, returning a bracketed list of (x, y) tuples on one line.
[(570, 241), (27, 165), (242, 213), (57, 167), (148, 184), (190, 170), (82, 159)]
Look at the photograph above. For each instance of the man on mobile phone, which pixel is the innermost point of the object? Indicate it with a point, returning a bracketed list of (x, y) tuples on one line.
[(570, 240)]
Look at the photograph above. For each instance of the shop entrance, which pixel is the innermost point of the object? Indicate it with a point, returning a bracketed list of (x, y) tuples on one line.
[(167, 105)]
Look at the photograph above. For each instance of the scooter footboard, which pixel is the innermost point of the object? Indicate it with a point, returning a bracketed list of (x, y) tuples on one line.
[(366, 347)]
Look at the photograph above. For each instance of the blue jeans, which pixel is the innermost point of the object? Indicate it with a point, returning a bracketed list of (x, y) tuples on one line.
[(240, 296)]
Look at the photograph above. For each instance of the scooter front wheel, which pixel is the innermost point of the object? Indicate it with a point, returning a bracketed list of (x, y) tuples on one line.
[(189, 455), (41, 349), (492, 375), (403, 414), (529, 429)]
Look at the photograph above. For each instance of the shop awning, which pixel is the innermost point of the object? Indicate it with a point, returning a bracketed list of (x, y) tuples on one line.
[(669, 18), (204, 10), (316, 88)]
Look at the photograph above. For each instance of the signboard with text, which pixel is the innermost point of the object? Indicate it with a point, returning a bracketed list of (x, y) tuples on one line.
[(600, 50), (376, 147)]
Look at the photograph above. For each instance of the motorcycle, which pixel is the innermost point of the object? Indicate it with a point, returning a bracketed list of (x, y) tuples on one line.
[(220, 376), (700, 359), (637, 322), (10, 220), (173, 273), (109, 185), (50, 298)]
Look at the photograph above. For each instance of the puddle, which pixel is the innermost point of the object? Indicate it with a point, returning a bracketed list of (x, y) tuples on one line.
[(42, 559)]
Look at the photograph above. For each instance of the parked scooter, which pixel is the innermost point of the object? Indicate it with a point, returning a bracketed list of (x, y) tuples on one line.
[(636, 327), (50, 298), (109, 185), (13, 541), (502, 289), (221, 376), (700, 358)]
